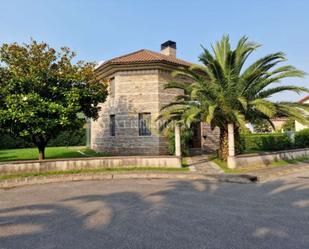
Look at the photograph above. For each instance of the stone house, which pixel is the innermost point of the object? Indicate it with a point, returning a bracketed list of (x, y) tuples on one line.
[(127, 121)]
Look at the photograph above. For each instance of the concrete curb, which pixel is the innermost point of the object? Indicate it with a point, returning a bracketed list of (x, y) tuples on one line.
[(25, 181), (281, 172)]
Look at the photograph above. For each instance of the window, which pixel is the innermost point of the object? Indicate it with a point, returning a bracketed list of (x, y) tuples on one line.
[(144, 121), (112, 87), (112, 123)]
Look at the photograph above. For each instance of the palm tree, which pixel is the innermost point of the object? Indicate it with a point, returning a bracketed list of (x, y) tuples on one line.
[(223, 93)]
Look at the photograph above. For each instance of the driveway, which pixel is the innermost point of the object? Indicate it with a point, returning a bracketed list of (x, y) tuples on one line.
[(157, 214)]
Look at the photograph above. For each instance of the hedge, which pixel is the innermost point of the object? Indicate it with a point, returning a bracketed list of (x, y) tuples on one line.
[(266, 142), (65, 138), (274, 141), (302, 139)]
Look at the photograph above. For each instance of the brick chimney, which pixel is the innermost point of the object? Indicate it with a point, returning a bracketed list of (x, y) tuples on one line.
[(169, 48)]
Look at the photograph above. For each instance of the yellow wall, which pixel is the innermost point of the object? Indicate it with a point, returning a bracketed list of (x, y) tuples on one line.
[(299, 126)]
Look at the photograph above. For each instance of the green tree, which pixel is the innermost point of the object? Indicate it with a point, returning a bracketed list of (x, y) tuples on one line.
[(42, 92), (223, 92)]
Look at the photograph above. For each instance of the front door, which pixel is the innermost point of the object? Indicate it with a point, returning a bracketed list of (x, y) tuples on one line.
[(195, 141)]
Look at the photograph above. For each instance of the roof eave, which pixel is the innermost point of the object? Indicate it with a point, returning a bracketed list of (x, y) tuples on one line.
[(107, 69)]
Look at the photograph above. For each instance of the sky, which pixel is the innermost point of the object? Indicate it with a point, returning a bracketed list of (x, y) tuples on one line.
[(99, 30)]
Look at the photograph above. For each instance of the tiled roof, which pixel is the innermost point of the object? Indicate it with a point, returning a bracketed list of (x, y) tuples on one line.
[(304, 99), (146, 56)]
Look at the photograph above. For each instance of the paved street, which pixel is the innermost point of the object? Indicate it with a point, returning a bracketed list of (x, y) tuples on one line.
[(157, 214)]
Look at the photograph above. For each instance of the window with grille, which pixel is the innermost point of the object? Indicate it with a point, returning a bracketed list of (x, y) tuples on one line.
[(144, 121)]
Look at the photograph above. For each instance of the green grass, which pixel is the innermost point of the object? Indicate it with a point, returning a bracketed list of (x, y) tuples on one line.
[(93, 171), (50, 153), (285, 162), (184, 162), (280, 163), (223, 166)]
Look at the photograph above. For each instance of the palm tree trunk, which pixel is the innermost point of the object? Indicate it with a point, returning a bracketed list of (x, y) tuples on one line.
[(224, 144)]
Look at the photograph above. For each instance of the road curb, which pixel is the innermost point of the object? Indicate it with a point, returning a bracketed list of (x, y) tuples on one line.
[(25, 181), (276, 173)]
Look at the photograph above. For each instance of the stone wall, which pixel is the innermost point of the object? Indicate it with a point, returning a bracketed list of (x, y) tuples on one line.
[(9, 168), (266, 158), (210, 138)]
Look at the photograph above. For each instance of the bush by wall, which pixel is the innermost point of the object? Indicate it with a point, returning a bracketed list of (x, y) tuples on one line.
[(65, 138), (266, 142), (302, 139), (69, 138), (274, 141), (9, 142)]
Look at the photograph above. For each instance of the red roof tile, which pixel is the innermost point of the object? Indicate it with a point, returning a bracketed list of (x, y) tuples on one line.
[(146, 56), (304, 99)]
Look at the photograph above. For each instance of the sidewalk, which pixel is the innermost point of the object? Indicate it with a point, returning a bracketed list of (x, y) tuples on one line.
[(24, 181), (277, 172), (202, 164)]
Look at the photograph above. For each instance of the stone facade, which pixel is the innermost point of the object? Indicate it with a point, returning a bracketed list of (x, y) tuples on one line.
[(140, 91), (210, 138), (135, 92), (137, 83)]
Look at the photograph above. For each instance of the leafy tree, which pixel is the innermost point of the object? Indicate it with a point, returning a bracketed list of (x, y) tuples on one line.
[(223, 92), (42, 92)]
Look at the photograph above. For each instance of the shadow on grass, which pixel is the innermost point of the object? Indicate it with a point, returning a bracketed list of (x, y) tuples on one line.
[(6, 156), (156, 214)]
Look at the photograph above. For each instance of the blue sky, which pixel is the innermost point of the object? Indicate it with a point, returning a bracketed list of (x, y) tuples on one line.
[(98, 30)]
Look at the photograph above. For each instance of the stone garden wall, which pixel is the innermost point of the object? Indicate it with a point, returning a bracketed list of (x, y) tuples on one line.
[(16, 167)]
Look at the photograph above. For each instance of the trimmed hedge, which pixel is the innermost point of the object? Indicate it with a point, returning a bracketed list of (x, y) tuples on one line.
[(266, 142), (302, 138), (65, 138), (274, 141)]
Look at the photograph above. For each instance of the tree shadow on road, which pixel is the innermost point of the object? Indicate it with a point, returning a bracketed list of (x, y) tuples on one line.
[(160, 214)]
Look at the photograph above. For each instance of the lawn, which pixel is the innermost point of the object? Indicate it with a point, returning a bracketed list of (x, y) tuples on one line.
[(93, 171), (50, 153), (223, 166), (285, 162), (280, 163)]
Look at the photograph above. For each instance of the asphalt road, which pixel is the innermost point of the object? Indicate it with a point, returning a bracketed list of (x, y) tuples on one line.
[(157, 214)]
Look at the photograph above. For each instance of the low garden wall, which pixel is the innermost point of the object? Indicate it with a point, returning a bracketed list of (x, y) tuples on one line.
[(16, 167), (266, 158)]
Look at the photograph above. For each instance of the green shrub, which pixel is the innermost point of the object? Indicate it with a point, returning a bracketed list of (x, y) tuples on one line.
[(302, 138), (266, 142), (9, 142), (69, 138), (65, 138)]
